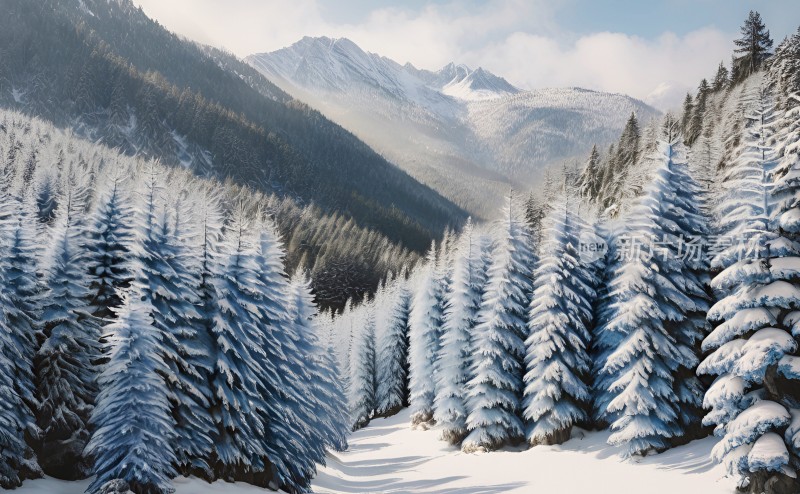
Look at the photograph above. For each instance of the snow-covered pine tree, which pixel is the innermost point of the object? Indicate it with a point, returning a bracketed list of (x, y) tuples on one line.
[(206, 246), (64, 374), (557, 359), (362, 372), (462, 305), (167, 279), (21, 290), (238, 406), (14, 457), (324, 385), (752, 349), (589, 183), (689, 215), (108, 242), (135, 429), (392, 351), (178, 306), (498, 348), (294, 441), (425, 322), (18, 292), (652, 296)]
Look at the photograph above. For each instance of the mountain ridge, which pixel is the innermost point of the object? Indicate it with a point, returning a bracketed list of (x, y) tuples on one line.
[(97, 71), (438, 125)]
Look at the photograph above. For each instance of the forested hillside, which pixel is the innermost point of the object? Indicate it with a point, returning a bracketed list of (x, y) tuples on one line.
[(654, 296), (117, 77), (149, 328)]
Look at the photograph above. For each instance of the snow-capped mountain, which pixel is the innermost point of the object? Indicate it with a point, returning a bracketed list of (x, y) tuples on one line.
[(466, 132)]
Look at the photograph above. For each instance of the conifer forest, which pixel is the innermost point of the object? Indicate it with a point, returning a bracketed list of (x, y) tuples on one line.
[(316, 269)]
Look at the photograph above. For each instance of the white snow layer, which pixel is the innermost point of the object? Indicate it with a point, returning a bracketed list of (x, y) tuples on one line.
[(389, 457)]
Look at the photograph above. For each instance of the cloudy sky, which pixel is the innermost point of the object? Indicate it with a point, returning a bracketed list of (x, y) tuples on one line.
[(654, 50)]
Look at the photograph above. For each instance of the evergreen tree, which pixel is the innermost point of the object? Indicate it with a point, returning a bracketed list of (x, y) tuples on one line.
[(109, 239), (295, 419), (698, 112), (654, 294), (20, 292), (176, 294), (721, 79), (692, 224), (459, 320), (752, 349), (65, 376), (238, 405), (18, 289), (557, 360), (362, 376), (206, 246), (135, 429), (686, 114), (425, 322), (323, 384), (495, 389), (626, 155), (392, 352), (589, 184), (755, 45)]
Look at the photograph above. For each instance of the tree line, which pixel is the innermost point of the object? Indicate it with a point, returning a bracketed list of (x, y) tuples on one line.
[(149, 328)]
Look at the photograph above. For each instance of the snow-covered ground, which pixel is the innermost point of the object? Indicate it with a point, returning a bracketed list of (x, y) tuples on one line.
[(390, 457)]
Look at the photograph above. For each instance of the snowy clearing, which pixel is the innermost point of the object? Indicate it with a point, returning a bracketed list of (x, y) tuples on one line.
[(388, 456)]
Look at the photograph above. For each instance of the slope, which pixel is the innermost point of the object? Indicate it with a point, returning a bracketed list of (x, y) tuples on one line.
[(105, 69), (388, 456)]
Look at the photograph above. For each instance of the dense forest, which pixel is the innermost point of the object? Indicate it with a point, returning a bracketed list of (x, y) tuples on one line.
[(118, 78), (654, 295), (149, 328)]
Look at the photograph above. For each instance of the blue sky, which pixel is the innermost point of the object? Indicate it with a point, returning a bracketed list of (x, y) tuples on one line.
[(653, 50), (642, 18)]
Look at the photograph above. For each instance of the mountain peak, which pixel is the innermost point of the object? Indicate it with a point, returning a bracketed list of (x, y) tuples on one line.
[(339, 64), (478, 84)]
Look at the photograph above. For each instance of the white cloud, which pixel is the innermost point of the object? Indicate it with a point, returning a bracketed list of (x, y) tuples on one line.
[(517, 39), (608, 61)]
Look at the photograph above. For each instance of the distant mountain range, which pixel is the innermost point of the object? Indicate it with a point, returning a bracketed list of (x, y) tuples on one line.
[(104, 69), (468, 133)]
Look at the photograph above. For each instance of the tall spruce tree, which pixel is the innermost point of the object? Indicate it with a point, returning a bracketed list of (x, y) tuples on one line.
[(425, 322), (557, 359), (752, 350), (653, 293), (755, 45), (108, 244), (392, 351), (324, 388), (362, 372), (238, 405), (589, 184), (64, 372), (495, 389), (132, 443), (18, 292), (459, 320), (21, 292), (295, 419)]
